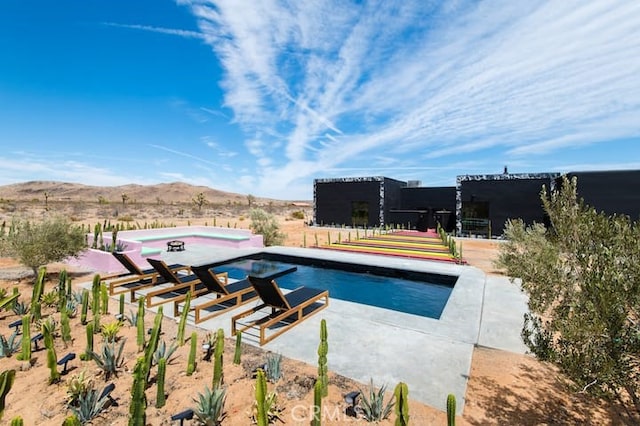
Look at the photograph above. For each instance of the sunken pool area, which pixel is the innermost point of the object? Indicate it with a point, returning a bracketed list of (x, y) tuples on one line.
[(417, 293)]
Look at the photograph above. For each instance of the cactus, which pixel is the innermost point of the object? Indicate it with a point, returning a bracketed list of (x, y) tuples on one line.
[(317, 404), (38, 289), (401, 394), (17, 421), (6, 381), (25, 355), (140, 324), (104, 298), (261, 395), (88, 353), (85, 307), (65, 327), (183, 319), (137, 416), (191, 363), (152, 345), (451, 410), (95, 295), (238, 350), (62, 290), (217, 359), (162, 371), (323, 349), (54, 375), (121, 307)]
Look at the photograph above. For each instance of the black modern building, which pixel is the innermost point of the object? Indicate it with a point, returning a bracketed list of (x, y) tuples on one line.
[(477, 205)]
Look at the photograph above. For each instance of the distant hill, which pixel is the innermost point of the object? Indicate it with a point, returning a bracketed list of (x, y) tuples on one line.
[(176, 192)]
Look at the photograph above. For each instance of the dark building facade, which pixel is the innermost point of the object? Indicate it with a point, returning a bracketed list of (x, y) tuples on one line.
[(485, 202), (612, 192), (364, 201), (477, 205)]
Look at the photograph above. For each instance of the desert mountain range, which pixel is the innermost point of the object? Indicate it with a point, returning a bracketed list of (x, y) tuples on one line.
[(176, 192)]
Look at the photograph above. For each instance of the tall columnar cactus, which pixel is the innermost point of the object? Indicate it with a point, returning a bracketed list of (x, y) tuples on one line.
[(88, 353), (14, 292), (96, 233), (261, 396), (317, 404), (54, 375), (38, 289), (62, 290), (140, 325), (152, 345), (17, 421), (104, 298), (217, 359), (191, 362), (95, 295), (137, 415), (121, 306), (25, 355), (401, 394), (6, 381), (162, 371), (65, 327), (183, 319), (237, 353), (451, 410), (84, 307), (323, 349)]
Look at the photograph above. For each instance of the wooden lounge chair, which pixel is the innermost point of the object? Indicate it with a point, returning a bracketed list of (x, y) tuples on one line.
[(228, 296), (287, 310), (182, 284), (136, 278)]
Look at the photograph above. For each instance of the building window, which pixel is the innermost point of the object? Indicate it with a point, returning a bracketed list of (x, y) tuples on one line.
[(359, 213)]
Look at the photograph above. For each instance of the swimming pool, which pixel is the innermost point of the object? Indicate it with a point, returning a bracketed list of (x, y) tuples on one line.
[(410, 292)]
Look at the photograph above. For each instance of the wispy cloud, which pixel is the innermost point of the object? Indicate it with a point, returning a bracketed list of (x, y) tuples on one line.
[(161, 30), (342, 80), (183, 154)]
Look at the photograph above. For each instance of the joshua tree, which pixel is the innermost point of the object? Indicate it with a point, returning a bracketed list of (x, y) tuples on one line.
[(200, 200), (125, 198), (250, 200)]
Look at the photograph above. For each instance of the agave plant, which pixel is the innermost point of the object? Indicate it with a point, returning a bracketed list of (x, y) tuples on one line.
[(89, 406), (9, 346), (373, 407), (163, 352), (110, 359), (110, 331), (50, 299), (77, 388), (210, 406), (20, 308), (273, 370), (132, 318), (72, 308)]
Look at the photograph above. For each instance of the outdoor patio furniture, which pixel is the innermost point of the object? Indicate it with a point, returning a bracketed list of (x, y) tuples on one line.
[(287, 310), (137, 278), (182, 284), (228, 296)]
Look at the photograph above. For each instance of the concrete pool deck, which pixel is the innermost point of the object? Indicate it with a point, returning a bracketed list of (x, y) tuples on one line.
[(432, 356)]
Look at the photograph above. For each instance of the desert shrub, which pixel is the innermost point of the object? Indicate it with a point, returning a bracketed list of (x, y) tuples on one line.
[(582, 279), (298, 214), (37, 244), (265, 224)]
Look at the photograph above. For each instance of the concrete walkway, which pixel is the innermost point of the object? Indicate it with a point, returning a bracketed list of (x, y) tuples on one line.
[(432, 356)]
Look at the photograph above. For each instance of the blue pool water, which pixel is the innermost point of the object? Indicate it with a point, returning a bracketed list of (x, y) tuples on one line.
[(404, 295)]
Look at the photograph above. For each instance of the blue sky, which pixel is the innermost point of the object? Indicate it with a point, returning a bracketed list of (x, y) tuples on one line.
[(262, 97)]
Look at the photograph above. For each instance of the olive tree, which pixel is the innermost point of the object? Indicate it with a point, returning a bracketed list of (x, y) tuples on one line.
[(582, 275), (265, 224), (37, 244)]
